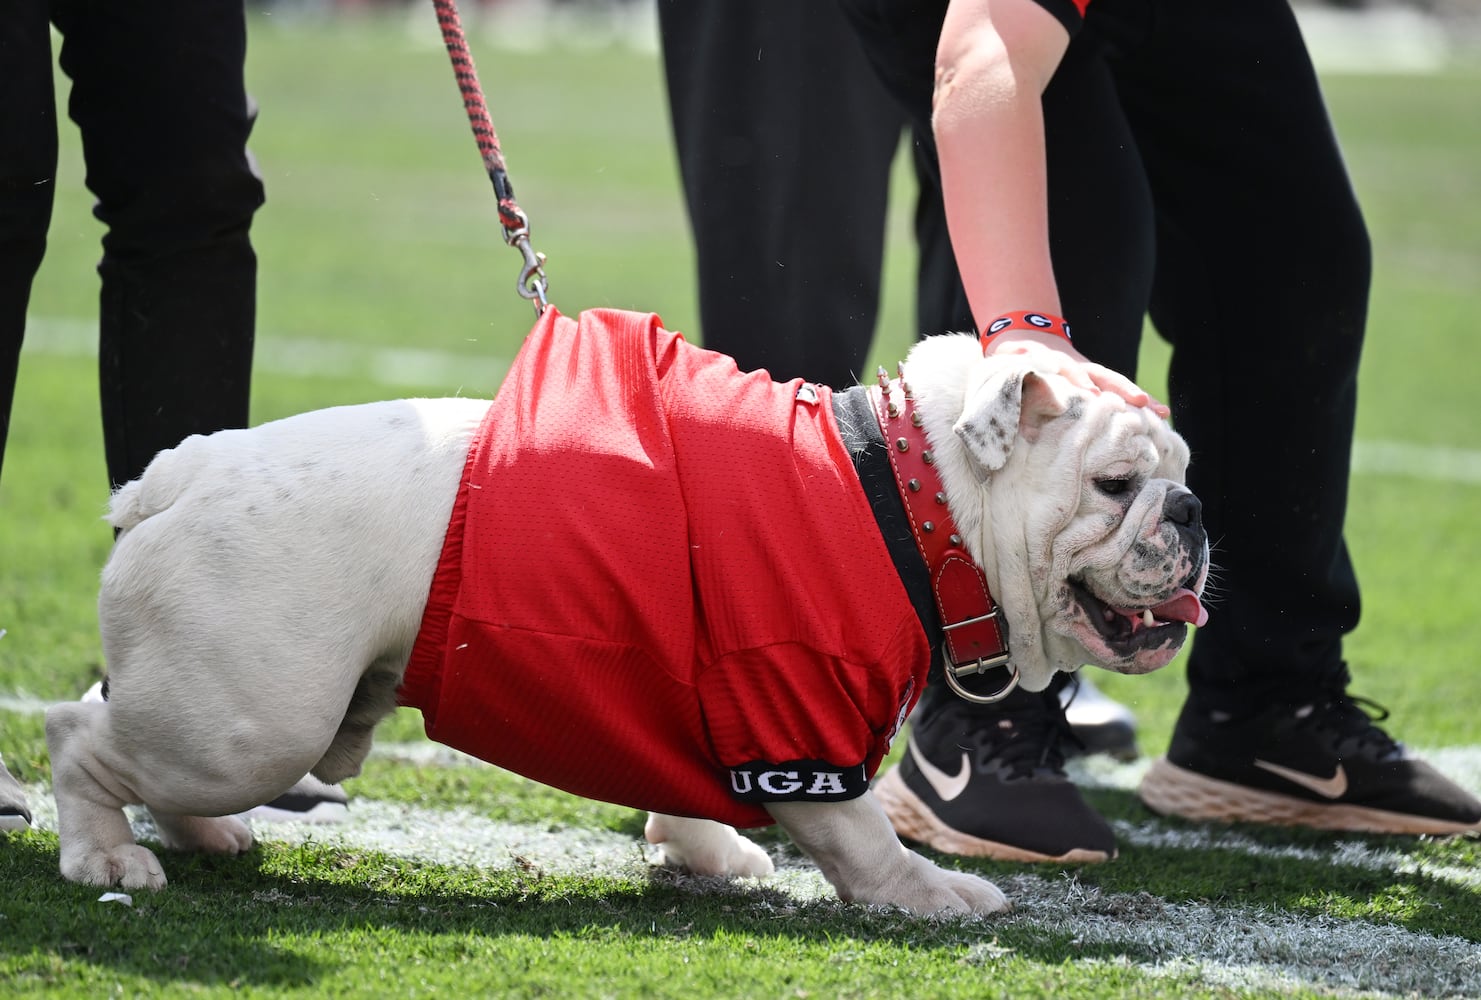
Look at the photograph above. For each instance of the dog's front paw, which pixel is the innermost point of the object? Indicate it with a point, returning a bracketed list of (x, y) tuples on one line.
[(858, 852), (704, 847), (127, 866), (914, 884), (931, 889)]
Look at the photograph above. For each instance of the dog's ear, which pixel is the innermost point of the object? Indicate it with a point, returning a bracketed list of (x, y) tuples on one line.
[(1008, 403)]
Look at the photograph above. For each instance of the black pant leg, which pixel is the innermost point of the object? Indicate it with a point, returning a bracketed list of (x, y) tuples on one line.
[(941, 304), (1262, 280), (1101, 230), (28, 173), (158, 91), (899, 42), (784, 142)]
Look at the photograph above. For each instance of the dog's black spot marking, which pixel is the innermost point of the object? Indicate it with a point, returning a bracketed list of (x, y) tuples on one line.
[(1075, 409), (1153, 560), (990, 438), (1012, 390)]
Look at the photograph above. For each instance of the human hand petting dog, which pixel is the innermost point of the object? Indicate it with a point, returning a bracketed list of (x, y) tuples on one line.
[(1060, 357)]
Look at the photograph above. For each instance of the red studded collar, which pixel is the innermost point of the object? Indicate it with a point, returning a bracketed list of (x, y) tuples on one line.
[(976, 637)]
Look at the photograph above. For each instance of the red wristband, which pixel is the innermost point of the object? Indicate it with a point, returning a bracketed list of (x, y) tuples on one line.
[(1042, 322)]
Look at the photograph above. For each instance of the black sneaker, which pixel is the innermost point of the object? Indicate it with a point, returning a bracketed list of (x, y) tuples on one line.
[(1323, 764), (988, 781), (13, 812)]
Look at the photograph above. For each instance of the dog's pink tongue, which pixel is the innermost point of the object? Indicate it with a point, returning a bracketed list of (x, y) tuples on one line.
[(1184, 607)]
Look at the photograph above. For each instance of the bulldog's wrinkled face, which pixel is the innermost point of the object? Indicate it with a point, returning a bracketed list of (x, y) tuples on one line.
[(1073, 503), (1124, 574)]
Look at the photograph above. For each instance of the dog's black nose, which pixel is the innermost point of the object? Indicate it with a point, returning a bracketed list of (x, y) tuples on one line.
[(1183, 508)]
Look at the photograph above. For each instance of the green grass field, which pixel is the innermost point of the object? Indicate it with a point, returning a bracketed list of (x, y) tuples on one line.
[(383, 274)]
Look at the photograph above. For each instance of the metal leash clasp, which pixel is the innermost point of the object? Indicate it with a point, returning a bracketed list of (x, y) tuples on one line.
[(532, 283)]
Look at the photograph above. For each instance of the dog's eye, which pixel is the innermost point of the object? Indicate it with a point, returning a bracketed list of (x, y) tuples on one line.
[(1113, 487)]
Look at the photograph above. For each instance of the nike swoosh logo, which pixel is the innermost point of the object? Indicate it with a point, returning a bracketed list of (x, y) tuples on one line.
[(947, 786), (1331, 788)]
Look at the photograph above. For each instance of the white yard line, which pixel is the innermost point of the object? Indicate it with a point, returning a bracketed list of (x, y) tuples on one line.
[(396, 367), (445, 371), (1383, 38), (1242, 948), (1389, 38), (1403, 460), (1235, 947), (1249, 947)]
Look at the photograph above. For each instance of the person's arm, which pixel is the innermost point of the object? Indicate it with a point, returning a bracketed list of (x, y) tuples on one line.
[(993, 61)]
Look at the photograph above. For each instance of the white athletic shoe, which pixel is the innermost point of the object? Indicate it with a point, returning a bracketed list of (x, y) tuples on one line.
[(1103, 724)]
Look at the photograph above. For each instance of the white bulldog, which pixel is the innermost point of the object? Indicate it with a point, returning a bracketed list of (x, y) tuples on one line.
[(275, 592)]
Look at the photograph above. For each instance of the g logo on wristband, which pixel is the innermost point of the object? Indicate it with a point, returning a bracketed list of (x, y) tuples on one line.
[(1027, 320)]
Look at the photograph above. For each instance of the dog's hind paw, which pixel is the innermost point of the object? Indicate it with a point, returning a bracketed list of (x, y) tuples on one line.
[(208, 834), (704, 847), (127, 866)]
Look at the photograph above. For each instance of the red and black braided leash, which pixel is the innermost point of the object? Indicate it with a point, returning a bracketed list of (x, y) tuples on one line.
[(532, 282)]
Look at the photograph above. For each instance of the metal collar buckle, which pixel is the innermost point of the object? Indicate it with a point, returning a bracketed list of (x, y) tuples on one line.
[(955, 671)]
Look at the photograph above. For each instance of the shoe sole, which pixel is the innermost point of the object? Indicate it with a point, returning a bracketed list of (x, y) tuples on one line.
[(913, 820), (10, 823), (1171, 790)]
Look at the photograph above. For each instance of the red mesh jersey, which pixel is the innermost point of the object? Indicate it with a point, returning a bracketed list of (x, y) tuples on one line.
[(662, 585)]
